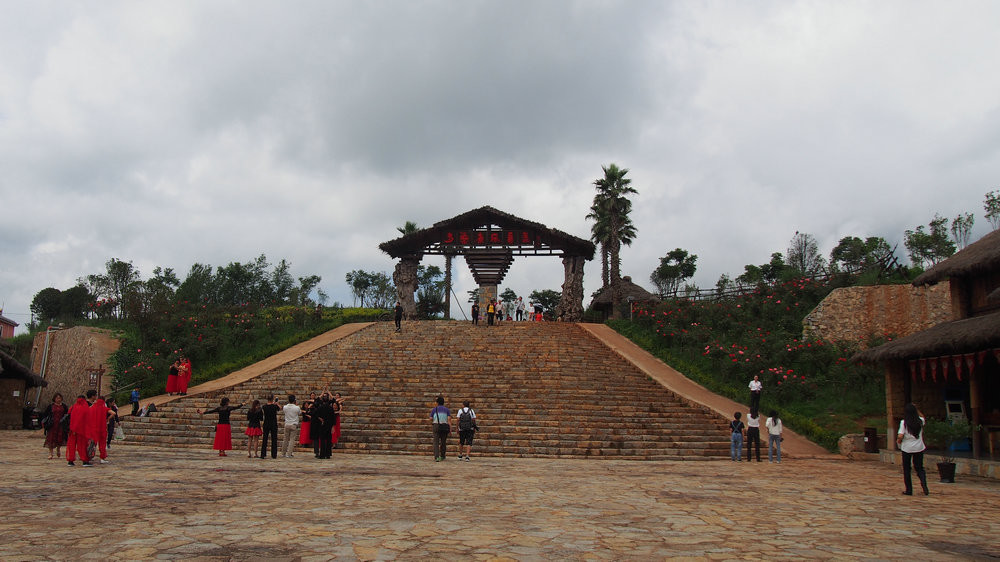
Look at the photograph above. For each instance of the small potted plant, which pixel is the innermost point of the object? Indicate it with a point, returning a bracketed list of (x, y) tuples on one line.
[(943, 435)]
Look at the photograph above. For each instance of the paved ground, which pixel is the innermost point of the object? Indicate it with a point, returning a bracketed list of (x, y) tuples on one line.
[(191, 504)]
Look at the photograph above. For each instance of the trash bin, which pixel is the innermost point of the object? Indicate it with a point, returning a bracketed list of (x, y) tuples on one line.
[(871, 440)]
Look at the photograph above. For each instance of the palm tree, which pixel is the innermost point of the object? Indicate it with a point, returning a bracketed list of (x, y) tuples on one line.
[(409, 228), (612, 227)]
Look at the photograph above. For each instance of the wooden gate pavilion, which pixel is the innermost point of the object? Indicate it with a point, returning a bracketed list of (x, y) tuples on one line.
[(489, 240)]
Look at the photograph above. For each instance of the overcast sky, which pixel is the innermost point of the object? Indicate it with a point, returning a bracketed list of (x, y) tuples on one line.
[(174, 133)]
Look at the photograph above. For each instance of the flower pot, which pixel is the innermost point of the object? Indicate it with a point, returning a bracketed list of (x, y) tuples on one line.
[(947, 471)]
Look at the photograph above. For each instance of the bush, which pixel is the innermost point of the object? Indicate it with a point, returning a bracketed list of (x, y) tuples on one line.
[(722, 344)]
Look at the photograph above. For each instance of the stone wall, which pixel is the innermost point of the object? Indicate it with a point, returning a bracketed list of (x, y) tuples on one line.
[(856, 313), (71, 352)]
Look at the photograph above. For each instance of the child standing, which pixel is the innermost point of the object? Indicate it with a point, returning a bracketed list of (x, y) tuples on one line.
[(223, 431)]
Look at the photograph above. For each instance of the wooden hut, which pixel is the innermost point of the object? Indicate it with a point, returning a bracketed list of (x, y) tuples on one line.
[(952, 370), (631, 293), (15, 380)]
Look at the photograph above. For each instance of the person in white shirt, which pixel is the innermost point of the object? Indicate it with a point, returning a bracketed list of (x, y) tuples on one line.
[(773, 425), (753, 433), (292, 413), (466, 429), (910, 439), (755, 387)]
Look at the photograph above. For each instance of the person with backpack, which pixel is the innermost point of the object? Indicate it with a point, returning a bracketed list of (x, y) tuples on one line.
[(736, 438), (467, 428)]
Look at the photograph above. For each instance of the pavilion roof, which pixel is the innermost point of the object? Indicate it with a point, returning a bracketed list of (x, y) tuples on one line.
[(541, 240)]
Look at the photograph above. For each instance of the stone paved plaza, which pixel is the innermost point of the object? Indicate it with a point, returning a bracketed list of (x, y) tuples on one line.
[(193, 505)]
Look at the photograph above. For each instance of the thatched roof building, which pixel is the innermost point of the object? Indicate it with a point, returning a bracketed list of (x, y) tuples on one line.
[(952, 370)]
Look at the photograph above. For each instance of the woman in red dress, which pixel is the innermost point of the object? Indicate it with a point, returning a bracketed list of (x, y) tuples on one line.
[(55, 433), (183, 376), (172, 378), (306, 425), (338, 406), (223, 431)]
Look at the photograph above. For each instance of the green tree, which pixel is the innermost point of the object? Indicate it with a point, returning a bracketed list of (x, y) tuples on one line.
[(854, 256), (283, 285), (119, 285), (676, 267), (198, 286), (508, 296), (804, 257), (929, 247), (992, 207), (430, 291), (613, 227), (46, 305), (306, 286), (75, 302), (961, 229), (360, 282), (548, 298)]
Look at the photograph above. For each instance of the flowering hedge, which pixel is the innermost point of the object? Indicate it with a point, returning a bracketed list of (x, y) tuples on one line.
[(727, 342), (216, 340)]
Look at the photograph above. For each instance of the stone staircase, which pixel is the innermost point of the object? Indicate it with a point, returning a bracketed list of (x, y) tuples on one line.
[(539, 390)]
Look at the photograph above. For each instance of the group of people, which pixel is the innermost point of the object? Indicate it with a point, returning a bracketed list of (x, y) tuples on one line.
[(178, 377), (441, 429), (86, 427), (498, 311), (316, 423), (751, 429)]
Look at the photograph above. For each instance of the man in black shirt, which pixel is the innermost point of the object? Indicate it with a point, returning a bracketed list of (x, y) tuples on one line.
[(270, 427)]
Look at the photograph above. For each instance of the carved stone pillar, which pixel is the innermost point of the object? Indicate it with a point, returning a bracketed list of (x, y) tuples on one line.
[(570, 307), (405, 279)]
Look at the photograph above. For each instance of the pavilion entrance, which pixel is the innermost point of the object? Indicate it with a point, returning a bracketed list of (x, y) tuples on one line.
[(489, 240)]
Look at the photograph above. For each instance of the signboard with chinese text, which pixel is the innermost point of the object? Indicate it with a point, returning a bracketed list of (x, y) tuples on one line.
[(491, 238)]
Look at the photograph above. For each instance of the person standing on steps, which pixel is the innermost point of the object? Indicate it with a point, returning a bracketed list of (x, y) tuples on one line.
[(441, 425), (466, 429), (324, 420), (755, 387), (736, 438), (134, 399), (291, 413), (491, 313), (398, 312), (520, 309), (753, 434), (910, 439), (270, 428), (475, 314)]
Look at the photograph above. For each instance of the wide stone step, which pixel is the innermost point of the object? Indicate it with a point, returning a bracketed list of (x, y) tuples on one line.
[(553, 391)]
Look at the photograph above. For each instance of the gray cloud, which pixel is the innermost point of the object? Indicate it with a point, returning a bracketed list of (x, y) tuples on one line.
[(181, 132)]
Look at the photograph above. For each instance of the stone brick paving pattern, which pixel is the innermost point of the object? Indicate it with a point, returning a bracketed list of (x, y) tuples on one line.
[(193, 505)]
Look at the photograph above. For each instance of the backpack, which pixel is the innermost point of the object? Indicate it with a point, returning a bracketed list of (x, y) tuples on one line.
[(465, 422)]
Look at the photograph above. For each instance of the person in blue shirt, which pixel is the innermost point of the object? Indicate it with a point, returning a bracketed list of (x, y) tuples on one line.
[(134, 399), (441, 424)]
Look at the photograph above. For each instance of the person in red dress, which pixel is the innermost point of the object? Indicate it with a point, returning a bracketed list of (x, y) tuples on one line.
[(338, 407), (172, 377), (97, 426), (183, 375), (76, 443), (55, 433), (223, 431), (306, 426)]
